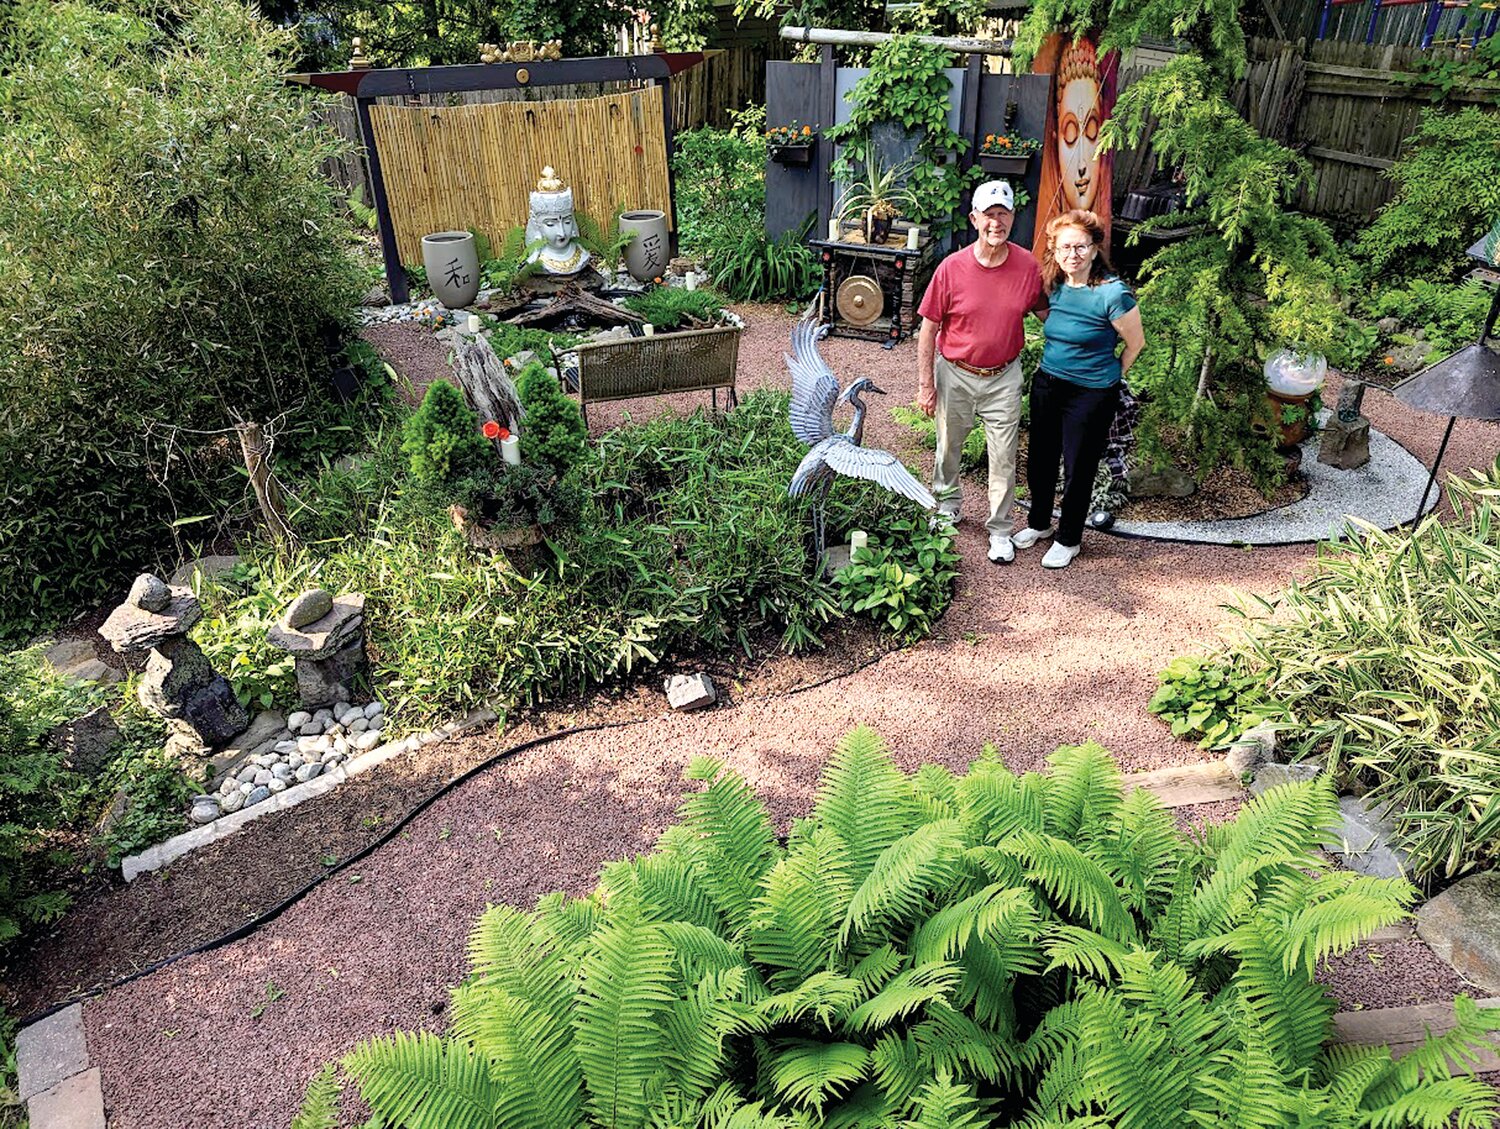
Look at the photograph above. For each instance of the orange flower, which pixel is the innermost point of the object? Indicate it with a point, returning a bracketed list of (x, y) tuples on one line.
[(989, 137), (1389, 360), (492, 430), (657, 280), (505, 433)]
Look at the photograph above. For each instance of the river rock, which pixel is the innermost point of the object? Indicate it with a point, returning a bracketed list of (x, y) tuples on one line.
[(1251, 749), (232, 801), (298, 719), (1169, 482), (246, 774), (205, 810), (263, 776), (309, 607), (149, 593), (260, 793), (358, 725), (366, 740), (282, 771), (278, 785), (374, 710), (307, 771)]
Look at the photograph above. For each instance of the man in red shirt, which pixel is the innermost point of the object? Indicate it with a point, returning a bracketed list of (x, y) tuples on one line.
[(968, 355)]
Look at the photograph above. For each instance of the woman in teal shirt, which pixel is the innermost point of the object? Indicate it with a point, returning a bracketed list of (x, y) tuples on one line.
[(1076, 391)]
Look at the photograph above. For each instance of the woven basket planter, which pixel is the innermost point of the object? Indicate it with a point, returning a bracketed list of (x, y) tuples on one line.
[(693, 360)]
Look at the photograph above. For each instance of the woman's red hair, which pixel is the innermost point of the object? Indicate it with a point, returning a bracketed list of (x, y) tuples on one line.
[(1052, 271)]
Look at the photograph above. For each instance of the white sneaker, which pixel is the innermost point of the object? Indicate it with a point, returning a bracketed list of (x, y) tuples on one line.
[(1061, 556), (1026, 537), (1002, 548)]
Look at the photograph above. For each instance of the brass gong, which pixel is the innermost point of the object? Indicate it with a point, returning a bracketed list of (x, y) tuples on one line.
[(859, 299)]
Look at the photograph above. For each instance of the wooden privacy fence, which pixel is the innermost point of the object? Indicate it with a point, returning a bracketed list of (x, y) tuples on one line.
[(1342, 105), (473, 167)]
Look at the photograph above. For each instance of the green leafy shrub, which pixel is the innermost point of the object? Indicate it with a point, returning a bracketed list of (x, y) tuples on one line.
[(932, 950), (668, 307), (1208, 697), (974, 454), (721, 212), (237, 613), (171, 259), (1384, 663), (903, 585), (1447, 196), (46, 808), (1450, 316), (442, 438), (554, 433)]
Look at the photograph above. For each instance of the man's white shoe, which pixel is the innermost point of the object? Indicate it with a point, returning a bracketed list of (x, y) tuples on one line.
[(1026, 537), (1061, 556), (1002, 548)]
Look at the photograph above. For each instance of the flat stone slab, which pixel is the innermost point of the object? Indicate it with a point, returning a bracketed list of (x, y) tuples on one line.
[(69, 653), (1384, 492), (1364, 840), (130, 628), (263, 732), (51, 1051), (1269, 776), (207, 567), (77, 1103), (323, 636), (1462, 925)]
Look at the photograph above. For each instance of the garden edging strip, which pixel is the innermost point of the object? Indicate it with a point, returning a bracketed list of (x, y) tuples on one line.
[(159, 855)]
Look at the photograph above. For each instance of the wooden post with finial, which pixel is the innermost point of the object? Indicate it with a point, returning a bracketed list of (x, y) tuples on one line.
[(358, 60)]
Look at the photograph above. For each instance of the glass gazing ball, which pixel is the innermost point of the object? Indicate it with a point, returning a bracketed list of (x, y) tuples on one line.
[(1295, 374)]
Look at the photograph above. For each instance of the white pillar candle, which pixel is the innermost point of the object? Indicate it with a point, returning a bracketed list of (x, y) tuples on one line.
[(833, 230), (690, 280), (911, 238), (473, 323), (647, 328), (510, 450), (858, 540)]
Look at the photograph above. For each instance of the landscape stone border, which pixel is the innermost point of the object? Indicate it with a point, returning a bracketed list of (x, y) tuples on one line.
[(1384, 492), (61, 1090), (168, 851)]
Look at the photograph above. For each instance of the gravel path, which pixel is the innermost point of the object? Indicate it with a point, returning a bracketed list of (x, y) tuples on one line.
[(1026, 658)]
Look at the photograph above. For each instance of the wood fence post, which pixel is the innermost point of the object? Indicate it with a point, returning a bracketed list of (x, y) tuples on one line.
[(267, 489)]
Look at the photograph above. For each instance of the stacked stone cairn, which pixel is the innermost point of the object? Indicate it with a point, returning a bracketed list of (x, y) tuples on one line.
[(325, 635), (311, 744), (1346, 437), (179, 684)]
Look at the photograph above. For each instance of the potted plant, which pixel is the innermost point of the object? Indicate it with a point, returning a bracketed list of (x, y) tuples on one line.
[(791, 144), (1007, 154), (878, 197)]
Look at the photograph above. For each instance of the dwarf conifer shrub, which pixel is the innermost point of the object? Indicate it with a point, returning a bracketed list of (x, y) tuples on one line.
[(442, 438), (931, 950), (554, 432)]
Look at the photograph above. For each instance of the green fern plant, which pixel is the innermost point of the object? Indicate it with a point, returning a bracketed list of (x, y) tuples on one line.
[(932, 950)]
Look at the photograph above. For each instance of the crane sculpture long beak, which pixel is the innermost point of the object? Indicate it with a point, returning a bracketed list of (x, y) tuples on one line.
[(872, 387)]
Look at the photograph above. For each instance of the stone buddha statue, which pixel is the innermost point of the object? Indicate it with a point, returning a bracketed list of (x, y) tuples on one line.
[(552, 222)]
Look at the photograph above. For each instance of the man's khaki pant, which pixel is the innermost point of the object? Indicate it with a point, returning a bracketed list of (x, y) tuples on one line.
[(995, 401)]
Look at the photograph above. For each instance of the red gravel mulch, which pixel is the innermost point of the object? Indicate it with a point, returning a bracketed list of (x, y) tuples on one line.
[(1025, 658)]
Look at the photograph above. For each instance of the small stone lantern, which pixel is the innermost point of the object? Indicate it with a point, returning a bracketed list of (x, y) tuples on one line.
[(326, 638), (179, 684)]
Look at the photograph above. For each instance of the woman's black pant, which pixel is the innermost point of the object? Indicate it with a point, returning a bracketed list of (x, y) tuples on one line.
[(1071, 422)]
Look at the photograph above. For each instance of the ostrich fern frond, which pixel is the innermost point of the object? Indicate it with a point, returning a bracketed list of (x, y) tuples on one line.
[(909, 991), (865, 799), (1078, 884), (944, 1104), (904, 874), (421, 1081), (730, 842), (795, 921), (809, 1073), (320, 1105), (1083, 790)]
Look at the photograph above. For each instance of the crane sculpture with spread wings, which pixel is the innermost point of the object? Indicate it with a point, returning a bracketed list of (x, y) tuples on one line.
[(815, 392)]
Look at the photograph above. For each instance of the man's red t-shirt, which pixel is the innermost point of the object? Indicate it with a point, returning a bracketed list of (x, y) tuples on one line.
[(979, 309)]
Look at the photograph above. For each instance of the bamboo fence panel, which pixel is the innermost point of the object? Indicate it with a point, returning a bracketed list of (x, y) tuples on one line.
[(474, 166)]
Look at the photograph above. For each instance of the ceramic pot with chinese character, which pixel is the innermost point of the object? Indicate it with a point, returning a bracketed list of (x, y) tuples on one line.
[(452, 262), (648, 253)]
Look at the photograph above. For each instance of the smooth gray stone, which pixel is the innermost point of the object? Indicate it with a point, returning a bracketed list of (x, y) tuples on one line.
[(1462, 925), (278, 785), (307, 771), (150, 593), (309, 607), (366, 740), (246, 774), (297, 720), (1365, 839), (309, 729), (204, 813), (359, 725), (264, 760), (282, 771), (374, 709), (263, 776), (260, 793), (1270, 776), (233, 801)]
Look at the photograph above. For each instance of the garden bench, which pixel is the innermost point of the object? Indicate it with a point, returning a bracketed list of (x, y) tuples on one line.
[(692, 360)]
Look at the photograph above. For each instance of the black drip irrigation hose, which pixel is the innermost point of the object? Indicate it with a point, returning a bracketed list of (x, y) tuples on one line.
[(240, 932)]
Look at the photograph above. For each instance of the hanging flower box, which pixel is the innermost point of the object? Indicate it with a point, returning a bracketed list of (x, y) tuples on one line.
[(1007, 154), (799, 153), (791, 144)]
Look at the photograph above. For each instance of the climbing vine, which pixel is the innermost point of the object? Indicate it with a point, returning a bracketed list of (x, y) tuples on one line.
[(907, 87)]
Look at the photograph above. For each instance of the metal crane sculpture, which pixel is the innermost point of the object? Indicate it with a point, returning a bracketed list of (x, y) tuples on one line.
[(815, 392)]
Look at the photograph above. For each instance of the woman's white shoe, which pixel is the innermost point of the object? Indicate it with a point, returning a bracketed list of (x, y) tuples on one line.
[(1061, 556), (1026, 537)]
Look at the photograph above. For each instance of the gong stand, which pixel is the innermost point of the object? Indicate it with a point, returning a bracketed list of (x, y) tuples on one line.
[(873, 290)]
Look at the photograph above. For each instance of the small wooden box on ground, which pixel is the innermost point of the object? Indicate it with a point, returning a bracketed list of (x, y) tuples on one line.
[(872, 292)]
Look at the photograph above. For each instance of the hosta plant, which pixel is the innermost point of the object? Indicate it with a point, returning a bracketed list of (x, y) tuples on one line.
[(932, 949)]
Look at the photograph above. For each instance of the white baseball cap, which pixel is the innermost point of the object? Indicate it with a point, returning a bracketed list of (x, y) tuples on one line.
[(993, 192)]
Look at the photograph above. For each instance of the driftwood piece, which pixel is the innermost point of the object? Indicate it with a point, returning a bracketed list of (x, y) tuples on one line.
[(575, 300), (488, 388)]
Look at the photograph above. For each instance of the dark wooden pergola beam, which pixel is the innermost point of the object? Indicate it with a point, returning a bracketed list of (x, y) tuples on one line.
[(364, 86)]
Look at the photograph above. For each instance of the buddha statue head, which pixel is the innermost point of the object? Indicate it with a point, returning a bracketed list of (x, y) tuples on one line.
[(551, 222)]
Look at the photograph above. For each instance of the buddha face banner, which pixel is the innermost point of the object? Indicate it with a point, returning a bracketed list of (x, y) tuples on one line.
[(1074, 173)]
